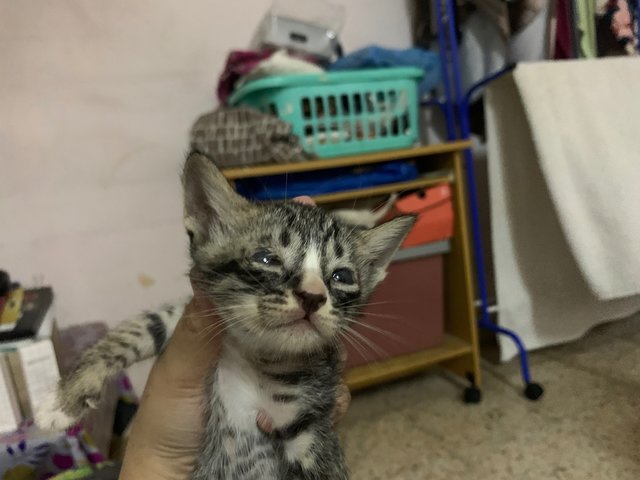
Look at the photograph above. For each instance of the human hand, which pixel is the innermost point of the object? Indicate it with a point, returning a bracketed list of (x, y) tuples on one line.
[(167, 430)]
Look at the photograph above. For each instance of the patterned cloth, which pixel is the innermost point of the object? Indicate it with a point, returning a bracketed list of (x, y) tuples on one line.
[(234, 137), (246, 65), (620, 16), (103, 471), (30, 454)]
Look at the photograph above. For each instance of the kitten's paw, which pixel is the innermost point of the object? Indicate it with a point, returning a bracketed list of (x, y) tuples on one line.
[(48, 415)]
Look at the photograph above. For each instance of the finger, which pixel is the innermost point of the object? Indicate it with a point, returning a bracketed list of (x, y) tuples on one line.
[(265, 422), (305, 199), (195, 344), (343, 399)]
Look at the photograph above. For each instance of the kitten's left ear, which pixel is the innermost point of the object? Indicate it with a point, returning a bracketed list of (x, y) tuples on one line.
[(381, 242), (210, 203)]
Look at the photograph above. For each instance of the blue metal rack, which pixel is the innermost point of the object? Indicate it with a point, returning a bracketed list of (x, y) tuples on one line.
[(455, 107)]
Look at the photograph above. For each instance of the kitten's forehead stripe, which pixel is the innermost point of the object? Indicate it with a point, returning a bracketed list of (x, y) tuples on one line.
[(285, 237), (331, 232)]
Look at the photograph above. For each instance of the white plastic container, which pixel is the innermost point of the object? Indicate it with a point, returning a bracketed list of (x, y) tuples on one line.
[(310, 27)]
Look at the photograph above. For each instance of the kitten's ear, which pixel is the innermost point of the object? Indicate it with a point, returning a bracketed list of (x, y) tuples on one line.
[(382, 242), (210, 203)]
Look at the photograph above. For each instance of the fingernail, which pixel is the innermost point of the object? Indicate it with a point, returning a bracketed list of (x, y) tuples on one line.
[(305, 200)]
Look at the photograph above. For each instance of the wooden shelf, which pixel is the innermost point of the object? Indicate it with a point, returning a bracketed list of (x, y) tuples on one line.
[(351, 161), (423, 182), (393, 368), (459, 352)]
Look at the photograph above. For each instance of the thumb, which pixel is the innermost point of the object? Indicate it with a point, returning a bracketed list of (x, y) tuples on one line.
[(194, 346)]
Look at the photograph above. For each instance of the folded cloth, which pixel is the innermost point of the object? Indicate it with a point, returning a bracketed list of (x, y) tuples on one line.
[(239, 63), (242, 136), (379, 57), (244, 66), (586, 141), (280, 63), (282, 187)]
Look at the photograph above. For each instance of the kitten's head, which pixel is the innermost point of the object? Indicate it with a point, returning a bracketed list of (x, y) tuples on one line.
[(284, 277)]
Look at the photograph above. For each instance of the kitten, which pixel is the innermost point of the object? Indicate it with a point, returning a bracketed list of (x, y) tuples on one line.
[(286, 279)]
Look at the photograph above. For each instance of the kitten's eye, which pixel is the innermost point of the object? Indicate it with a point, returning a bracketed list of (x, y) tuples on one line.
[(343, 275), (264, 257)]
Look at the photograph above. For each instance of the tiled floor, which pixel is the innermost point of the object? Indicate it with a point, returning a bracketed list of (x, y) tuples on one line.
[(587, 425)]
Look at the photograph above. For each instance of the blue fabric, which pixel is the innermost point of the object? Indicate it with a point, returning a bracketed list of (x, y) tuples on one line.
[(379, 57), (281, 187)]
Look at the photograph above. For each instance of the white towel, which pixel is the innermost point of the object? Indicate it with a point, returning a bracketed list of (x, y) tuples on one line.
[(542, 292), (584, 117)]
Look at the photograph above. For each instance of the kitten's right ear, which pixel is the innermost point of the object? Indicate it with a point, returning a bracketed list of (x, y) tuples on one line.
[(210, 203), (381, 242)]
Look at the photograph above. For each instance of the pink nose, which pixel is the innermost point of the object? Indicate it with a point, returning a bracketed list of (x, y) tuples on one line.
[(311, 293), (310, 302)]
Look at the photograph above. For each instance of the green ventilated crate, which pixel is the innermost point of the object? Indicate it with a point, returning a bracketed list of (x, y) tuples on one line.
[(342, 113)]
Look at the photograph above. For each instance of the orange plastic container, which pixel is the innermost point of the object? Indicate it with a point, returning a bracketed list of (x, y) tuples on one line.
[(435, 215)]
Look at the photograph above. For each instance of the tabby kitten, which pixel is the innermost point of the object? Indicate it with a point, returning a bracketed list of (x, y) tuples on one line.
[(285, 279)]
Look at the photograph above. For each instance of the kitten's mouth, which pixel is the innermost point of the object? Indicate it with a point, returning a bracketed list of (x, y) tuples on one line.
[(301, 324)]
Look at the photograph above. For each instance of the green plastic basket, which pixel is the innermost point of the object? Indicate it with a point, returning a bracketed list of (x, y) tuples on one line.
[(342, 113)]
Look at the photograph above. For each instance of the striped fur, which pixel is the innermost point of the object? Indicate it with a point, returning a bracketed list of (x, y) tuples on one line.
[(286, 280)]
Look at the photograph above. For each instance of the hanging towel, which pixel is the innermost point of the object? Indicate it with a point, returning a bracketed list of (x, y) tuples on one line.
[(564, 168), (585, 129)]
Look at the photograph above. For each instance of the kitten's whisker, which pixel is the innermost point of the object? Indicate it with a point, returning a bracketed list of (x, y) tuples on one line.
[(217, 333), (386, 302), (356, 347), (211, 327), (209, 340), (374, 348), (252, 276), (212, 314), (382, 315), (379, 350), (381, 331)]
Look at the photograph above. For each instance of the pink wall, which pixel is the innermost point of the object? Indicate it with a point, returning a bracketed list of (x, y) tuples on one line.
[(96, 101)]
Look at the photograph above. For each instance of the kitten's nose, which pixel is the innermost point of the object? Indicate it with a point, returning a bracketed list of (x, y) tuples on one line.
[(311, 293), (310, 302)]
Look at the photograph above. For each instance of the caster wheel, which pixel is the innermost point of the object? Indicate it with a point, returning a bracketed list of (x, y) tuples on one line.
[(533, 391), (472, 395)]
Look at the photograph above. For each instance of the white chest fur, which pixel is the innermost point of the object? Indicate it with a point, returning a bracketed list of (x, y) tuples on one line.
[(244, 391)]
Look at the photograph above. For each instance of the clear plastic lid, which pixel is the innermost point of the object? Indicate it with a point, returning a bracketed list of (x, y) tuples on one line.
[(315, 12)]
